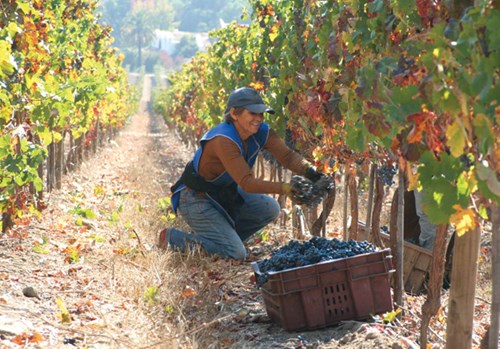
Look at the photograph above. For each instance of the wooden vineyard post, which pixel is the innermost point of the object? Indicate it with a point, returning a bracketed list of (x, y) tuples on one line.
[(79, 150), (399, 282), (433, 301), (51, 166), (70, 159), (353, 194), (95, 139), (370, 201), (462, 292), (377, 210), (59, 162), (397, 237), (319, 226), (39, 194), (282, 202), (323, 215), (495, 272), (346, 198)]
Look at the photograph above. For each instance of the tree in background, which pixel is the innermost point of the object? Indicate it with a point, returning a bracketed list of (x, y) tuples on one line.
[(139, 30), (205, 15), (187, 47), (134, 22), (114, 13)]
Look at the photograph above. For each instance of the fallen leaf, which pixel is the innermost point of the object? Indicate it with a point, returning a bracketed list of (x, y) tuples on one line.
[(188, 292), (64, 314)]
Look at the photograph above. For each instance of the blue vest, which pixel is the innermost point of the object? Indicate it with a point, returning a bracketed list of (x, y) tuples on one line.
[(255, 143)]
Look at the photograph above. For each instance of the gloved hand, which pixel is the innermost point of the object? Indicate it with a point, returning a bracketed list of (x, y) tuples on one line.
[(313, 174), (321, 180), (299, 190), (288, 189)]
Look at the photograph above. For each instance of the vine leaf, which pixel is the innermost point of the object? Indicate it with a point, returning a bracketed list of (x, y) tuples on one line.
[(376, 125), (64, 314), (456, 139), (463, 219)]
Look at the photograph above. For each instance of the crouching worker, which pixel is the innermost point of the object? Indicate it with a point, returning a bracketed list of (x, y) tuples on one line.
[(218, 195)]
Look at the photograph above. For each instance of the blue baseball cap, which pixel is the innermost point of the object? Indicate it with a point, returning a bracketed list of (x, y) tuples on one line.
[(247, 98)]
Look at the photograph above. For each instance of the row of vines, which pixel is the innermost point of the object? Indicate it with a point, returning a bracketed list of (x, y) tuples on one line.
[(60, 83), (358, 84)]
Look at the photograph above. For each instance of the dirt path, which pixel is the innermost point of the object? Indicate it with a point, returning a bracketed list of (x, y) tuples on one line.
[(85, 244), (97, 280)]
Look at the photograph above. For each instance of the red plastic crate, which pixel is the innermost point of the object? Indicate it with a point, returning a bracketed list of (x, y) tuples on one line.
[(326, 293)]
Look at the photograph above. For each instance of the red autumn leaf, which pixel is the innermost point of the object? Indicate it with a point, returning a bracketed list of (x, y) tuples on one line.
[(376, 124), (425, 122), (416, 133), (188, 292)]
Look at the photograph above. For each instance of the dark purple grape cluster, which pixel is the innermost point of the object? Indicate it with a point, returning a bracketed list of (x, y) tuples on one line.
[(467, 161), (387, 172), (307, 192), (317, 249)]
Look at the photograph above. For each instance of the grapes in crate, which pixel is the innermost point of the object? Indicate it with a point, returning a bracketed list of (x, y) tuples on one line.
[(303, 253)]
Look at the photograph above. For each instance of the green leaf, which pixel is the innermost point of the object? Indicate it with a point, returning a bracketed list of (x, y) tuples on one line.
[(438, 200), (40, 249), (356, 139), (443, 187), (82, 212), (164, 203), (151, 295), (492, 25), (45, 135), (483, 212), (38, 183), (483, 130), (97, 238), (115, 216), (6, 65), (404, 103)]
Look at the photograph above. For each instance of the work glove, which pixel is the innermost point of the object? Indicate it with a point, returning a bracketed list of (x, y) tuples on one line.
[(299, 190), (313, 174), (321, 180), (287, 189)]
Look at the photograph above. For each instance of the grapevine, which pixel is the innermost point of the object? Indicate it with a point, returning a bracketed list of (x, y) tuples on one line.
[(58, 76)]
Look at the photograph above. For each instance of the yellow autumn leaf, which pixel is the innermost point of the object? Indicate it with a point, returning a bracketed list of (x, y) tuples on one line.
[(391, 315), (455, 139), (463, 219), (412, 179), (64, 314)]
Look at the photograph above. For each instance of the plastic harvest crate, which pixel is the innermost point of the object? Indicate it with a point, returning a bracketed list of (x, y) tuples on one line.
[(322, 294)]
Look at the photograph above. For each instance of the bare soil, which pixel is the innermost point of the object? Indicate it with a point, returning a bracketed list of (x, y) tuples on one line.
[(87, 272)]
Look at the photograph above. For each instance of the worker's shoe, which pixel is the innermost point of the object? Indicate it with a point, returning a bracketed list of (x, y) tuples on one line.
[(164, 238)]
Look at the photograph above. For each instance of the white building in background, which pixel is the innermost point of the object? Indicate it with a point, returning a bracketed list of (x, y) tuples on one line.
[(167, 40)]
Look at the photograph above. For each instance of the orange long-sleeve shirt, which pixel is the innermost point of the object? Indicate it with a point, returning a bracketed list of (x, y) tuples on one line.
[(222, 154)]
